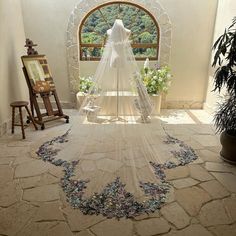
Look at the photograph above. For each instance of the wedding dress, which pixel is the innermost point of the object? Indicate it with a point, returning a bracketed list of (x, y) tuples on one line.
[(117, 87), (114, 162)]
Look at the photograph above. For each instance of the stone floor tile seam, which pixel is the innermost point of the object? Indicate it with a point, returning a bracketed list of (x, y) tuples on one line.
[(218, 198), (58, 168), (49, 221), (53, 226), (229, 215), (224, 164), (209, 229), (186, 186), (26, 188), (212, 233), (18, 195), (223, 172), (67, 222), (203, 181), (66, 219), (204, 167), (29, 203), (5, 207), (205, 203), (91, 232), (89, 228), (27, 176), (135, 229), (199, 209), (24, 225), (233, 192), (172, 226), (191, 217), (62, 200), (37, 203), (206, 227), (225, 210), (38, 183), (222, 198), (7, 164), (14, 172), (162, 234), (12, 164), (151, 217)]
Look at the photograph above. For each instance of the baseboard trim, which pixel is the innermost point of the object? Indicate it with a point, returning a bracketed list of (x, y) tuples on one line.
[(182, 105), (64, 105), (6, 125)]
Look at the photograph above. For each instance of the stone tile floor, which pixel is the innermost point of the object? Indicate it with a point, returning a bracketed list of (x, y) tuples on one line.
[(202, 200)]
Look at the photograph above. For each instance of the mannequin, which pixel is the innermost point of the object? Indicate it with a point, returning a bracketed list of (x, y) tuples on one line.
[(118, 35)]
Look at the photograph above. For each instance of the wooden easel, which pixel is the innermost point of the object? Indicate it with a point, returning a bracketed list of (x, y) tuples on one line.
[(45, 88)]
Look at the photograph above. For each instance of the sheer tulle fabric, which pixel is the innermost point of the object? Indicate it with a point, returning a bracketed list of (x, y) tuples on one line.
[(113, 135), (115, 154), (117, 90)]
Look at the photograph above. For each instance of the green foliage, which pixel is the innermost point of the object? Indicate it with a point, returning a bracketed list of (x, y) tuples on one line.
[(156, 80), (146, 37), (225, 76), (82, 84), (144, 52), (91, 37), (225, 116), (143, 29), (225, 58), (85, 84)]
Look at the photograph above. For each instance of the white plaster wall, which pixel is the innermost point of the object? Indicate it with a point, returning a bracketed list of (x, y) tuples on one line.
[(192, 26), (12, 40), (45, 23), (225, 13), (192, 30)]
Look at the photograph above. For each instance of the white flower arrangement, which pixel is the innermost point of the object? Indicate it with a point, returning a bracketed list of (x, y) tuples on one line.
[(82, 84), (157, 80)]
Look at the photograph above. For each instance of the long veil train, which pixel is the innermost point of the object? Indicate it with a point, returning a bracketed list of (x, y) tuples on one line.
[(114, 158)]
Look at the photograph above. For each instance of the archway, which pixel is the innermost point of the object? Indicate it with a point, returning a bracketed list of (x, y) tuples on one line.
[(85, 6)]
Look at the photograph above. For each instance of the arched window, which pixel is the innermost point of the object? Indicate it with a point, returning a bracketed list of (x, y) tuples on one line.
[(143, 26)]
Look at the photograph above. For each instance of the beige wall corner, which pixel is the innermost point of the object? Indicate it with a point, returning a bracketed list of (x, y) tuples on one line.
[(193, 27), (225, 13), (12, 40), (45, 23)]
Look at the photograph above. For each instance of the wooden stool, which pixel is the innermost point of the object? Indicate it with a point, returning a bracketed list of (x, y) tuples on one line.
[(21, 104)]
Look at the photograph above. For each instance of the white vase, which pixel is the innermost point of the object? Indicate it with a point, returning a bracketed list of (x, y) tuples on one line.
[(156, 100), (80, 99)]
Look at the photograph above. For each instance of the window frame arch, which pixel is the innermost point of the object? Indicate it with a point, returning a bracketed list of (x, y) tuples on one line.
[(134, 45)]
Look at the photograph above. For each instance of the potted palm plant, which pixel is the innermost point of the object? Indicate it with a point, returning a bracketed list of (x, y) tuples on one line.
[(225, 77)]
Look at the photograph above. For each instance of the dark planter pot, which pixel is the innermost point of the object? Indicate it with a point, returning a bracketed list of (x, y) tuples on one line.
[(228, 152)]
